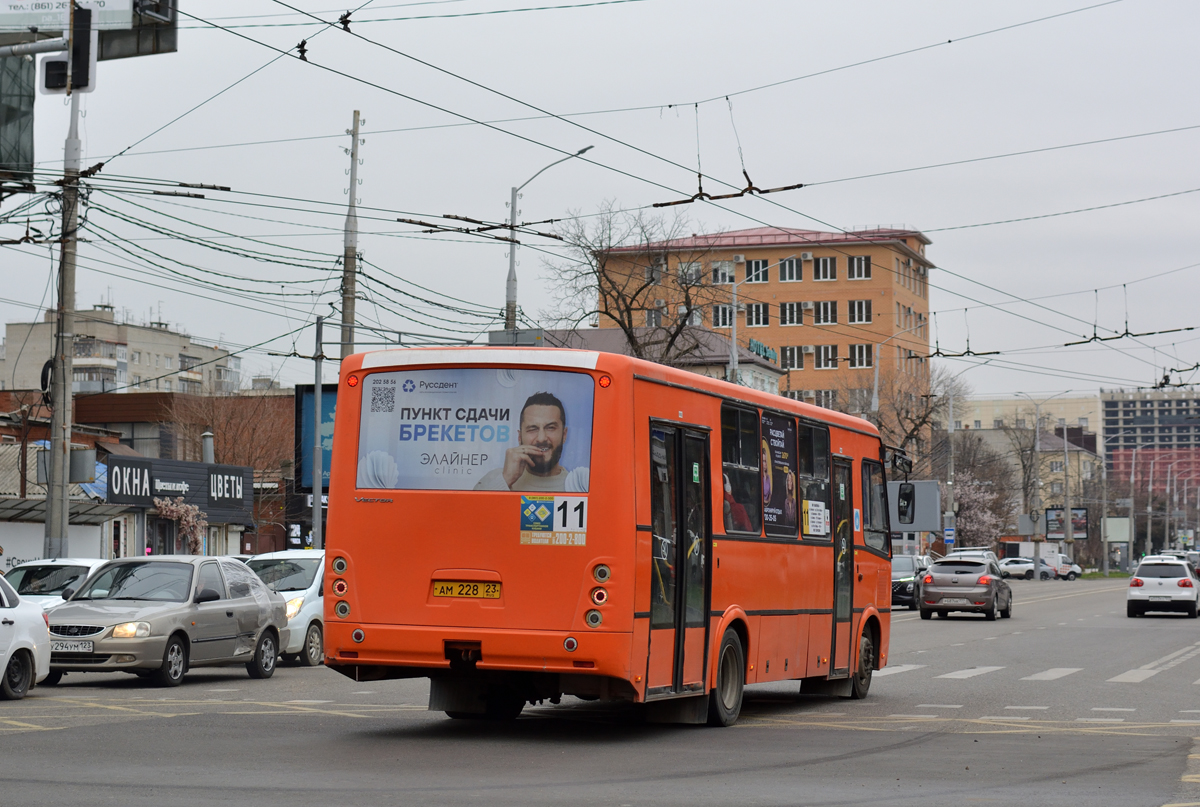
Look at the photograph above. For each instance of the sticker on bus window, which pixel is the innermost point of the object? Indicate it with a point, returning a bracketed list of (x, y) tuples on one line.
[(815, 517), (857, 520), (554, 520)]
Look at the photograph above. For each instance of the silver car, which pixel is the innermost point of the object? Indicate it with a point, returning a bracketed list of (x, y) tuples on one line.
[(159, 616), (972, 584)]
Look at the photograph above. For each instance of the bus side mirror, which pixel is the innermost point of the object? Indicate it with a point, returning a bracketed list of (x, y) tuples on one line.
[(905, 502)]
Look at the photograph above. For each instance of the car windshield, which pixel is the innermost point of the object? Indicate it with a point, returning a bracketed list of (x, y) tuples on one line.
[(46, 579), (959, 566), (904, 564), (286, 574), (1161, 570), (142, 580)]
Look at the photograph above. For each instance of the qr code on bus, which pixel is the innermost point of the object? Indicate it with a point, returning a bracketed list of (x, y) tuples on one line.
[(383, 399)]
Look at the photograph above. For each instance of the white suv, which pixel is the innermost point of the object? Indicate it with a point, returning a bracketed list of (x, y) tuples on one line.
[(1163, 583), (299, 575)]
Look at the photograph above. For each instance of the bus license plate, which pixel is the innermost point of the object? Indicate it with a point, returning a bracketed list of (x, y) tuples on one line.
[(479, 591)]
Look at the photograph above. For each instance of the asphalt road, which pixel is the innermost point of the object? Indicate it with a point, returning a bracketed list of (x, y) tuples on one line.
[(1068, 700)]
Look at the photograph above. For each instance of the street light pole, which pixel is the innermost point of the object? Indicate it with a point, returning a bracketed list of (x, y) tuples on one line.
[(1037, 470), (510, 292), (879, 357)]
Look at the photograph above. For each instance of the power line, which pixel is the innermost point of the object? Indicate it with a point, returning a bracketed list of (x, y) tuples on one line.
[(430, 16)]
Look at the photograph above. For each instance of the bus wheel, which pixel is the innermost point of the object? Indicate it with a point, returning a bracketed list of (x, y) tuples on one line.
[(508, 707), (725, 701), (861, 682)]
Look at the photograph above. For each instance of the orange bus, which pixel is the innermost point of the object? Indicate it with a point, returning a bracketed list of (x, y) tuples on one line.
[(520, 524)]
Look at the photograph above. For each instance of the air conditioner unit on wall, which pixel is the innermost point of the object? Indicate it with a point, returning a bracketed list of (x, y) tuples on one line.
[(806, 256), (808, 393), (806, 305), (659, 303), (739, 258), (807, 349)]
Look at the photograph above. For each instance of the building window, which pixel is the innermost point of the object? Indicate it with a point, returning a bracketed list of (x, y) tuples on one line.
[(1020, 423), (791, 357), (756, 315), (978, 424), (137, 381), (1056, 487), (997, 424), (756, 271), (1083, 423), (136, 357), (825, 313), (1056, 467), (721, 316), (791, 314), (958, 425), (689, 273), (859, 268), (860, 311), (826, 398), (791, 270), (861, 356), (722, 272), (693, 316), (167, 385), (826, 357), (654, 272), (825, 268), (654, 318), (793, 394), (168, 362)]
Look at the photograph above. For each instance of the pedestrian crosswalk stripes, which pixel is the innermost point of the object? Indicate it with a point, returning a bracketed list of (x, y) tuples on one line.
[(1052, 674), (1132, 677), (970, 672), (892, 669)]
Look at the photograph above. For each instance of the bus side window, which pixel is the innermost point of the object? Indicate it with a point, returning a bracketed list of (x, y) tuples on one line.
[(875, 520), (741, 455)]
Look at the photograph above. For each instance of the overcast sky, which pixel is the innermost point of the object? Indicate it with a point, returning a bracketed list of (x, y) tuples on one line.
[(1118, 69)]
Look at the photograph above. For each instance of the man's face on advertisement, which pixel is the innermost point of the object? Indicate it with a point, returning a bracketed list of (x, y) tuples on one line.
[(542, 428)]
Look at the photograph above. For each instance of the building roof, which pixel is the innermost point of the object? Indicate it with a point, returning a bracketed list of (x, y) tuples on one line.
[(711, 348), (781, 237)]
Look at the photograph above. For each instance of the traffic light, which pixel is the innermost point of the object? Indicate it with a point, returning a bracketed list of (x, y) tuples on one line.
[(82, 59)]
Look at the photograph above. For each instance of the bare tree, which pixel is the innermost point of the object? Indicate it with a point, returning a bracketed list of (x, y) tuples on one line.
[(1026, 461), (622, 270)]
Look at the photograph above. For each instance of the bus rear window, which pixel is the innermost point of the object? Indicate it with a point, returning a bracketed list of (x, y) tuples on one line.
[(476, 429)]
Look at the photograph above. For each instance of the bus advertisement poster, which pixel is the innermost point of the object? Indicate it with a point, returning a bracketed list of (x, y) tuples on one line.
[(779, 475), (476, 429)]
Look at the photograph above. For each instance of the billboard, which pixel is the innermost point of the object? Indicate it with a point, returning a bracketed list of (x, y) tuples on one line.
[(1054, 523), (304, 434), (17, 79), (18, 16)]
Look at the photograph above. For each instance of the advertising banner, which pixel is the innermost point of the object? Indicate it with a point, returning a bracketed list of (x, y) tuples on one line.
[(1054, 524), (779, 475), (305, 401), (18, 16), (476, 429)]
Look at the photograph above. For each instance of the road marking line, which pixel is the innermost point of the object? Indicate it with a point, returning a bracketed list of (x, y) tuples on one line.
[(364, 692), (1052, 674), (958, 644), (938, 706), (1190, 712), (1099, 720), (1177, 720), (1132, 677), (989, 638), (927, 717), (1112, 709), (1039, 708), (1003, 717), (222, 690), (899, 668), (970, 672), (305, 701)]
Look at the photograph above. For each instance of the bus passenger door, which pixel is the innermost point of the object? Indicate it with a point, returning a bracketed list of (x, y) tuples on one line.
[(843, 568), (679, 588)]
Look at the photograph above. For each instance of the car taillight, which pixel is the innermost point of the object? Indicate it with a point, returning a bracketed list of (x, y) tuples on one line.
[(928, 578), (1136, 583), (1185, 583), (984, 579), (46, 618)]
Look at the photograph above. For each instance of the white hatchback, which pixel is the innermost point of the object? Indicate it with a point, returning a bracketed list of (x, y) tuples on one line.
[(299, 575), (1163, 583), (24, 644), (44, 581)]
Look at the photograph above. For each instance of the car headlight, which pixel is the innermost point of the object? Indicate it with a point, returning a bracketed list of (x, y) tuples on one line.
[(131, 630), (293, 606)]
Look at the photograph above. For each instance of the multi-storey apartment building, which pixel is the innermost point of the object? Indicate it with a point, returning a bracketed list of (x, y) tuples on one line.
[(829, 305), (1153, 436), (118, 356)]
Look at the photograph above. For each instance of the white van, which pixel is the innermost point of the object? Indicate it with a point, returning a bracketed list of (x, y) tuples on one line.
[(1064, 567), (299, 575)]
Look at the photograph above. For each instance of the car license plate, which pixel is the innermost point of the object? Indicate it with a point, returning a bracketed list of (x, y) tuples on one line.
[(1160, 599), (454, 588), (71, 647), (955, 601)]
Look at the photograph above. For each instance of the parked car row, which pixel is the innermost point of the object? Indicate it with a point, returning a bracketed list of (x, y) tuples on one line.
[(158, 616)]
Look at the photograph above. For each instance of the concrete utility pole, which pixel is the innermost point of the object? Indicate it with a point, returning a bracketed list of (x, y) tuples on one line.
[(318, 473), (350, 254), (58, 507), (1037, 471), (1068, 524)]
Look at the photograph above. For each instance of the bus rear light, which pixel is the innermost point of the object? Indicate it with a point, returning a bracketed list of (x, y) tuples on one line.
[(342, 609), (593, 619), (352, 381), (570, 644), (605, 381), (602, 573), (340, 565), (600, 596), (358, 635), (340, 587), (584, 664), (348, 653)]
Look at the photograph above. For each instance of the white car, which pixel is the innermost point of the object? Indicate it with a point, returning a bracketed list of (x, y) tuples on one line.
[(299, 575), (43, 581), (1162, 583), (968, 552), (24, 644)]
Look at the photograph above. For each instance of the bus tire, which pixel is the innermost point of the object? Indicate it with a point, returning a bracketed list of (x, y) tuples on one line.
[(860, 682), (725, 700)]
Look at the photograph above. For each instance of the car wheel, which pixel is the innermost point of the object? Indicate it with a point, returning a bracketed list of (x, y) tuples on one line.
[(1070, 575), (1004, 575), (990, 613), (1029, 574), (1045, 575), (313, 653), (1006, 612), (52, 679), (725, 700), (266, 653), (860, 683), (1191, 610), (926, 614), (174, 664), (18, 676), (1132, 610)]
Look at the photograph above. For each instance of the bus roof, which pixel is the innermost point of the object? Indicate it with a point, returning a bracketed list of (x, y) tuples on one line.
[(568, 358)]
